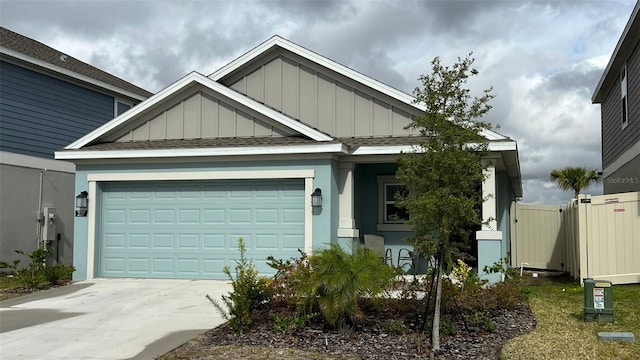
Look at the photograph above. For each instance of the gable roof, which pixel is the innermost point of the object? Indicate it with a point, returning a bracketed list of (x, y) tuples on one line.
[(278, 42), (196, 78), (622, 52), (36, 53)]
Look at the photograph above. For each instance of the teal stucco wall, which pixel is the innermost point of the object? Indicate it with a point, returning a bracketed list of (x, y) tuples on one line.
[(366, 206), (325, 220)]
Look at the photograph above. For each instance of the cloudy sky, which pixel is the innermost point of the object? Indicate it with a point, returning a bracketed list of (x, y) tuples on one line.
[(543, 58)]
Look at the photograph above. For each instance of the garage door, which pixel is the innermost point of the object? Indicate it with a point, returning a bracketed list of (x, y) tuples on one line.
[(190, 229)]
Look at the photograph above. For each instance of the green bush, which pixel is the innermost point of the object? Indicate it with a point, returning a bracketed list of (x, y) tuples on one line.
[(339, 279), (59, 272), (37, 273), (249, 292)]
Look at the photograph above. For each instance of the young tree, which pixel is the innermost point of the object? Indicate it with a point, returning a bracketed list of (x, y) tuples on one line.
[(575, 178), (443, 173)]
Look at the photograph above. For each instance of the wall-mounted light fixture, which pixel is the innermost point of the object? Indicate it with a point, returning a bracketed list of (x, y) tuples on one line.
[(316, 198), (82, 203), (82, 200)]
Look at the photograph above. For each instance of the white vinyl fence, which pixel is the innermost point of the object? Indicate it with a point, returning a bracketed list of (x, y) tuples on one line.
[(591, 237)]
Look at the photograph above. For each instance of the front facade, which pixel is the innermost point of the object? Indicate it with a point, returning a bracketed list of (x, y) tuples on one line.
[(174, 183), (47, 100), (618, 94)]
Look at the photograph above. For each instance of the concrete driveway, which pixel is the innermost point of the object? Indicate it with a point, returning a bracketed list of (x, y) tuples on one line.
[(108, 319)]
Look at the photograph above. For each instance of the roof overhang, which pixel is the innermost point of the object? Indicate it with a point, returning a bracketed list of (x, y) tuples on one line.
[(68, 73), (196, 78), (623, 50), (201, 152), (277, 41)]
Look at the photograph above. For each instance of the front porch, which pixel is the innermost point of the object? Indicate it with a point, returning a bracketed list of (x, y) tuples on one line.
[(366, 206)]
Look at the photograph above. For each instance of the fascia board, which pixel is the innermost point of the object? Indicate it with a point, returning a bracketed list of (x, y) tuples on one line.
[(382, 150), (200, 152), (116, 122), (203, 80), (397, 149), (332, 65), (503, 146), (312, 56), (69, 73)]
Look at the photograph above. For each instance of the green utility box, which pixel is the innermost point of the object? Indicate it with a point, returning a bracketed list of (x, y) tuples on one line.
[(598, 300)]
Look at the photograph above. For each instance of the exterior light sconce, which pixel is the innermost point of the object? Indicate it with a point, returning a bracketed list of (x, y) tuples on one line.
[(82, 203), (316, 198)]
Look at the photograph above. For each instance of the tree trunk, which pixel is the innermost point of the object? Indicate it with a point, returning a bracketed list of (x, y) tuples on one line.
[(435, 330)]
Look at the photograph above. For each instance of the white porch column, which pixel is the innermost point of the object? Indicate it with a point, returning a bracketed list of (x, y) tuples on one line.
[(489, 191), (489, 238), (347, 231)]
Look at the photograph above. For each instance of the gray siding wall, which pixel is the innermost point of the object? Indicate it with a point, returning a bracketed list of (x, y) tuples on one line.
[(19, 198), (40, 114), (615, 139), (326, 101), (199, 116)]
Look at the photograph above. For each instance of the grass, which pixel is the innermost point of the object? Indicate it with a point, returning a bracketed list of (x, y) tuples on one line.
[(8, 283), (561, 333)]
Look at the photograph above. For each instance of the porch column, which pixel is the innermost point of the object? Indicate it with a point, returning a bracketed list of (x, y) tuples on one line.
[(489, 238), (347, 232)]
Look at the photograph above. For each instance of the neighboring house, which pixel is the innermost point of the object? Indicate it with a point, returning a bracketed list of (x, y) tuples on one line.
[(47, 100), (618, 93), (174, 182)]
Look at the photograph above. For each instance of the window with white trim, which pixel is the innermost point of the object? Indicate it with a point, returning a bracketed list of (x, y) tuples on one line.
[(120, 107), (390, 216), (623, 97)]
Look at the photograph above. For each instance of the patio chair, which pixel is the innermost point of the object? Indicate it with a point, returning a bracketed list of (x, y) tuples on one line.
[(405, 255), (375, 243)]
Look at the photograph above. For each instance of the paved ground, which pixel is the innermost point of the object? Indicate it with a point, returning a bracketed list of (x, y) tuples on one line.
[(108, 319)]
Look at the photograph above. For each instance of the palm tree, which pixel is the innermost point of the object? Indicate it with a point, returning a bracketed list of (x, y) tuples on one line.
[(575, 178)]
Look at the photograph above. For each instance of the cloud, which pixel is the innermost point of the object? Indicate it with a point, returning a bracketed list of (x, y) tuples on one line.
[(542, 58)]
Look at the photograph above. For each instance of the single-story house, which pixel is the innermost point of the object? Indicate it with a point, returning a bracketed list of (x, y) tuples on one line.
[(173, 183)]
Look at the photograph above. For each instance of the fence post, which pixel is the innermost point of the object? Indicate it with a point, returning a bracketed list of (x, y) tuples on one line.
[(584, 207)]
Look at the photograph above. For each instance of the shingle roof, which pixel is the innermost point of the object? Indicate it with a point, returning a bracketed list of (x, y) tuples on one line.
[(351, 142), (35, 49), (202, 143)]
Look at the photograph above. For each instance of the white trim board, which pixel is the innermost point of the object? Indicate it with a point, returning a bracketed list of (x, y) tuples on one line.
[(196, 78), (199, 152), (94, 178), (331, 65)]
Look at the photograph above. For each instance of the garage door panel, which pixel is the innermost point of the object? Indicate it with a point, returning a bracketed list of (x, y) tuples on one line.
[(163, 241), (191, 229)]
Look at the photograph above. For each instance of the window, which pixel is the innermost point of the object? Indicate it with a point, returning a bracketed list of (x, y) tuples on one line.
[(392, 213), (390, 217), (623, 97), (120, 107)]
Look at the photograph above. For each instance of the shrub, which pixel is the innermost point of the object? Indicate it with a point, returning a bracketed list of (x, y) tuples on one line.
[(290, 282), (249, 292), (37, 273), (339, 279)]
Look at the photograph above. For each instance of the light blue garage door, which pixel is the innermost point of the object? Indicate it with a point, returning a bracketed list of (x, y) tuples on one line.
[(190, 229)]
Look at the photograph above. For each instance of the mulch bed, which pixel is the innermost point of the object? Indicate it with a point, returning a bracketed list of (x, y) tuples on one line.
[(372, 340)]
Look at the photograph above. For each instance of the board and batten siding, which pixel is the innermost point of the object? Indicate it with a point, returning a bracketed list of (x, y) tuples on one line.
[(42, 114), (615, 139), (340, 108), (200, 116)]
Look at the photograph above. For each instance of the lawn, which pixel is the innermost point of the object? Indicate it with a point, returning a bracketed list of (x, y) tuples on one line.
[(8, 286), (561, 332)]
